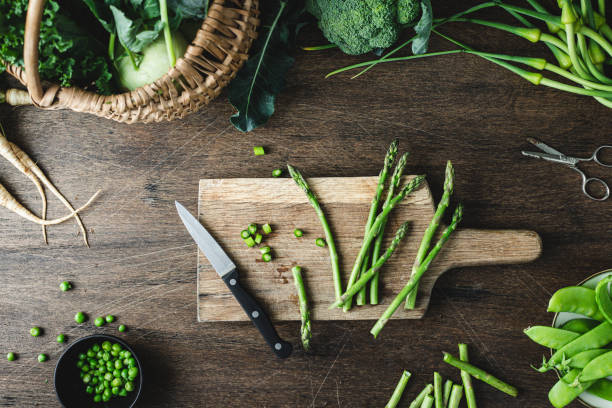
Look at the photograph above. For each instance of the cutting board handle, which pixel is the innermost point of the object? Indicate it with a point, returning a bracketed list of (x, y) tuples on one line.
[(472, 247)]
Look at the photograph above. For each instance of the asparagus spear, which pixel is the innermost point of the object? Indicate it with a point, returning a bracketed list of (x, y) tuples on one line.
[(470, 397), (305, 331), (414, 279), (439, 399), (396, 179), (448, 385), (480, 374), (427, 402), (333, 254), (449, 182), (455, 397), (371, 235), (382, 180), (351, 291), (399, 390), (416, 403)]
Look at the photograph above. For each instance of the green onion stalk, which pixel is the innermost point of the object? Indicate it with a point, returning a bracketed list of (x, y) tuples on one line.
[(414, 279), (373, 232), (449, 183), (333, 253), (396, 180), (382, 180)]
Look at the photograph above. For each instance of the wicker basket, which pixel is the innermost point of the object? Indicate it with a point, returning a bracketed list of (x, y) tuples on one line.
[(218, 51)]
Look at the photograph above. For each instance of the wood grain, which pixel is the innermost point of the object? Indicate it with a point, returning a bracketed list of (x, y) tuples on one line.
[(227, 206), (141, 266)]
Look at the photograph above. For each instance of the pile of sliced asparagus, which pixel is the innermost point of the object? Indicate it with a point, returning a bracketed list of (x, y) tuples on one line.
[(371, 257)]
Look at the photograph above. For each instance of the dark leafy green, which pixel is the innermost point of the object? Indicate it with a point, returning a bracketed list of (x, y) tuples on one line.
[(423, 29), (69, 55), (189, 8), (253, 92)]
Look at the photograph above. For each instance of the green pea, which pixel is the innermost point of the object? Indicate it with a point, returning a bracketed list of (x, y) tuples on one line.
[(116, 373), (81, 375), (99, 321), (124, 374), (114, 353), (575, 299), (106, 384), (108, 377), (115, 390), (118, 364), (96, 347), (11, 356), (35, 331), (80, 317), (116, 382), (42, 358), (110, 318), (277, 172), (106, 397), (82, 356), (90, 353), (131, 362), (129, 386), (99, 354), (80, 363), (117, 347), (267, 257), (100, 388), (123, 393), (106, 345), (89, 389), (97, 398), (106, 356), (60, 338), (109, 366), (132, 372), (86, 378), (580, 326), (65, 286), (298, 233), (85, 368), (320, 242), (95, 380), (122, 328)]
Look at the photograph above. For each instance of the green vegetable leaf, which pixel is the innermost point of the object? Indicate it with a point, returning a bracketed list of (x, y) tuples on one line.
[(189, 8), (423, 29), (131, 33), (253, 92)]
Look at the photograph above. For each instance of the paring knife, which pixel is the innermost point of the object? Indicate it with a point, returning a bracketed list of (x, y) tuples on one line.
[(228, 272)]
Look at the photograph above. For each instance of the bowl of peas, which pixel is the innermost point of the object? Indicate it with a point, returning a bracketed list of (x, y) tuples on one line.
[(98, 371)]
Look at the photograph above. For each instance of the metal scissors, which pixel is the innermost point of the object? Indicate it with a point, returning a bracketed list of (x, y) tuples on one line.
[(556, 156)]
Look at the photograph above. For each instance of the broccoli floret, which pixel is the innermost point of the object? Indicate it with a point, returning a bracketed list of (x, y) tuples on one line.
[(357, 26), (408, 11), (360, 26)]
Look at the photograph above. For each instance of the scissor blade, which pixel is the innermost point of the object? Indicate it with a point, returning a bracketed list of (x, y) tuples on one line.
[(555, 158), (544, 147), (213, 251)]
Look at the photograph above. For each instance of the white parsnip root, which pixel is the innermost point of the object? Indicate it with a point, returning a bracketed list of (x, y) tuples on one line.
[(15, 97), (28, 167)]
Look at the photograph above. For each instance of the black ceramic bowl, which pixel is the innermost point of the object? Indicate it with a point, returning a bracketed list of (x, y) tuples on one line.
[(70, 389)]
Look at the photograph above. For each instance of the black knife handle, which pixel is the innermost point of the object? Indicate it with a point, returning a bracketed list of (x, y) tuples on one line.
[(260, 319)]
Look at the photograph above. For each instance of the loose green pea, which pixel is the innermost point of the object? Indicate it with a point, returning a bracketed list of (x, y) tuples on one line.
[(298, 232), (42, 358), (277, 172), (110, 318), (11, 356), (320, 242), (35, 331), (80, 317), (65, 286), (122, 328), (60, 338), (99, 321)]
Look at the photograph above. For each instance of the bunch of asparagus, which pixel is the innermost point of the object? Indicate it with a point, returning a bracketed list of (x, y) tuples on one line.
[(450, 395), (370, 260)]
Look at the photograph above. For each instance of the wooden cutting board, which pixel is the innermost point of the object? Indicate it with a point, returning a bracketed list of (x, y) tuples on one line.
[(227, 206)]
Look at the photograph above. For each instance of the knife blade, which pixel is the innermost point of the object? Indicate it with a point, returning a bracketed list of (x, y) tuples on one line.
[(227, 270)]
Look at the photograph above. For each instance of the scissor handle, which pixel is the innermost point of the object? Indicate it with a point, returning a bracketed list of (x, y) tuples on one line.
[(590, 180), (596, 156)]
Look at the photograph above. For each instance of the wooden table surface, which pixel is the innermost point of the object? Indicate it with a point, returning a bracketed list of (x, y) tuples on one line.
[(142, 264)]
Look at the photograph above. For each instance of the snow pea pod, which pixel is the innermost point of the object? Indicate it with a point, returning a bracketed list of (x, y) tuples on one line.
[(603, 299), (575, 299), (580, 325), (562, 393), (602, 389), (582, 359), (594, 339), (550, 337), (599, 367)]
